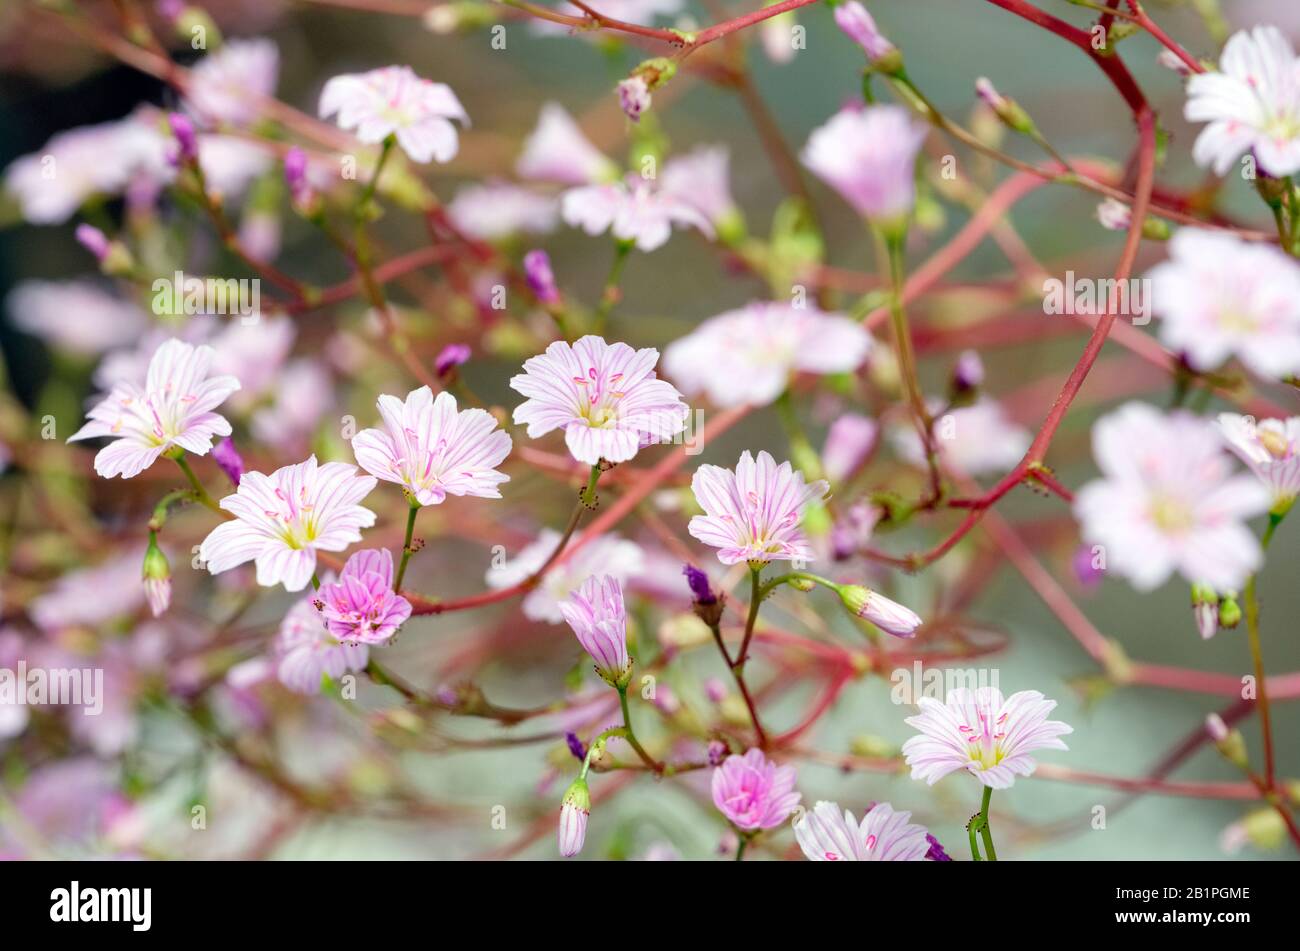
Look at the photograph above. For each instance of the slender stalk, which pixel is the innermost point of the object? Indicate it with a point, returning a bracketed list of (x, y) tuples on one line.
[(1251, 597), (974, 843), (738, 665), (630, 734), (586, 499), (200, 493), (985, 831), (407, 551), (609, 297), (740, 849)]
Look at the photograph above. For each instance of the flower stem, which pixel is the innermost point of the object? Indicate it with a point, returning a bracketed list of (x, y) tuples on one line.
[(609, 297), (407, 551), (1251, 598), (630, 735), (985, 832), (740, 849), (200, 493), (738, 665), (586, 500)]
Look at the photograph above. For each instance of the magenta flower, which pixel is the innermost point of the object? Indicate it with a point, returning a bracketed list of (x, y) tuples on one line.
[(433, 451), (282, 519), (395, 101), (596, 613), (979, 731), (753, 513), (753, 792), (361, 607), (868, 155), (606, 397), (827, 834), (174, 409), (305, 651)]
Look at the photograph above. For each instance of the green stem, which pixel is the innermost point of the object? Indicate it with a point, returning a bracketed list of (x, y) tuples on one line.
[(199, 492), (586, 499), (630, 735), (985, 831), (755, 598), (773, 583), (609, 297), (406, 545), (1251, 597), (740, 849), (974, 843)]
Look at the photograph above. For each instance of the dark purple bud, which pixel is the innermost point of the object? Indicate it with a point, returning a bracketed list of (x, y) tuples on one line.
[(540, 278), (968, 374), (452, 356), (575, 746), (699, 583), (186, 139), (228, 458), (717, 752), (936, 853)]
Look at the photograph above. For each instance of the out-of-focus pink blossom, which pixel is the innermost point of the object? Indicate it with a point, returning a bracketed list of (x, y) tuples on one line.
[(868, 155), (849, 441), (632, 210), (498, 210), (225, 86), (1271, 448), (557, 151), (395, 101)]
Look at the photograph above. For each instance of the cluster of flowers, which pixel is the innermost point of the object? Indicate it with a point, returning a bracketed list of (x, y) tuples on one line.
[(1169, 500)]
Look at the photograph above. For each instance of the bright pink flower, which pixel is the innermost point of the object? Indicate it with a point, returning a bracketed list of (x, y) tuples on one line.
[(868, 155), (753, 792), (305, 650), (827, 834), (395, 101), (361, 607), (747, 355), (633, 210), (606, 397), (557, 151), (979, 731), (596, 613), (433, 451), (1169, 500), (282, 519), (173, 409), (753, 513)]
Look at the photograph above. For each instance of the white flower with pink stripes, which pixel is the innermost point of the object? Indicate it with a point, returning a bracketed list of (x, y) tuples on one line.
[(281, 520)]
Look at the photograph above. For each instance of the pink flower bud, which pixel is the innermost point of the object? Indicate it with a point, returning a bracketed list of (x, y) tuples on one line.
[(853, 19), (1217, 729), (890, 616), (574, 812), (634, 97), (540, 278), (848, 443), (187, 141), (93, 240), (715, 690)]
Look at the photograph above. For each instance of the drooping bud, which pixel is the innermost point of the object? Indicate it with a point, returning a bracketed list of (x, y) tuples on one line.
[(1229, 611), (854, 20), (890, 616), (450, 357), (113, 256), (634, 92), (1006, 109), (1205, 608), (157, 577), (574, 812)]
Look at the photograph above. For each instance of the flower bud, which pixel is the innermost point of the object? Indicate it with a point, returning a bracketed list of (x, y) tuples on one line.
[(853, 19), (540, 277), (1229, 611), (890, 616), (187, 142), (574, 811), (1008, 110), (451, 356), (715, 690), (634, 97), (157, 577), (227, 457), (113, 256)]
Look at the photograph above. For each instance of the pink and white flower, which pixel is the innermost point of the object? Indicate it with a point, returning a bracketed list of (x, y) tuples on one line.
[(500, 209), (433, 451), (225, 86), (395, 101), (983, 733), (1168, 501), (753, 792), (606, 397), (1218, 297), (868, 155), (829, 834), (753, 513), (849, 441), (174, 409), (610, 555), (596, 613), (1252, 104), (853, 18), (362, 607), (748, 355), (1271, 448), (575, 810), (701, 178), (975, 440), (305, 651), (558, 151), (281, 520), (81, 317), (632, 210)]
